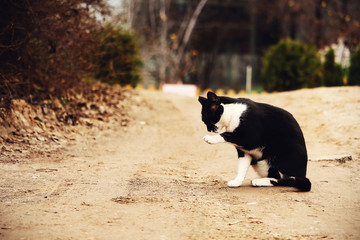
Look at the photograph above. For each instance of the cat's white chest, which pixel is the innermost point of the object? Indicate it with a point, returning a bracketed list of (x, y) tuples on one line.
[(230, 119)]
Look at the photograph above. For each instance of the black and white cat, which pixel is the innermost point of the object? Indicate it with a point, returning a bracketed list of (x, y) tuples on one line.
[(266, 137)]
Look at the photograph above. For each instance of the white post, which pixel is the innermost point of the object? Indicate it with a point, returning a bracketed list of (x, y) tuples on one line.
[(248, 78)]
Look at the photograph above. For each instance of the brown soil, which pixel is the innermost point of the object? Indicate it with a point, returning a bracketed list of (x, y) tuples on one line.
[(147, 174)]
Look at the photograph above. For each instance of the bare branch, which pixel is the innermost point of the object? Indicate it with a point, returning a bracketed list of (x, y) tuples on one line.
[(189, 29)]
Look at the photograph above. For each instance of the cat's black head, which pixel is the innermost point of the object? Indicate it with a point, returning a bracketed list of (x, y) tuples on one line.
[(211, 111)]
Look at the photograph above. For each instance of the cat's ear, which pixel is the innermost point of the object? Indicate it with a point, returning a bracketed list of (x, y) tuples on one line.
[(202, 100), (214, 100), (212, 97)]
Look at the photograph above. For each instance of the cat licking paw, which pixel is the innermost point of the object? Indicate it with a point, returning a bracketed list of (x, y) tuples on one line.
[(267, 137)]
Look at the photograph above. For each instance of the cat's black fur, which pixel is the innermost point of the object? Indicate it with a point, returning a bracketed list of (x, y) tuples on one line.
[(269, 128)]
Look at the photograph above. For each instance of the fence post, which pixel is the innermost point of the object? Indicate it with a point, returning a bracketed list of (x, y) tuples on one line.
[(248, 78)]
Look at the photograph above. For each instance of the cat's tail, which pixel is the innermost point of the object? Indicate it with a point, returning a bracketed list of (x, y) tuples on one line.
[(301, 183)]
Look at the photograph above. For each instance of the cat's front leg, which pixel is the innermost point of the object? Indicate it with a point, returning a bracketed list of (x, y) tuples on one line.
[(212, 139), (243, 166)]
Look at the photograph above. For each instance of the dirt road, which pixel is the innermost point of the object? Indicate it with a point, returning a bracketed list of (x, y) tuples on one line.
[(157, 179)]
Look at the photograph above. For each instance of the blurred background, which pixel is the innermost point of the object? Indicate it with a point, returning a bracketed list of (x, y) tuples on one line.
[(211, 43), (48, 47), (227, 36)]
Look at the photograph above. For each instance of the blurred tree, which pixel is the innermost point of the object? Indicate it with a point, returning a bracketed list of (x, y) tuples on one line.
[(332, 71), (46, 46), (118, 60), (166, 32), (354, 70)]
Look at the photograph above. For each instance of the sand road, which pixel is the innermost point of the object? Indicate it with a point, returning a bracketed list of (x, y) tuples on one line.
[(157, 178)]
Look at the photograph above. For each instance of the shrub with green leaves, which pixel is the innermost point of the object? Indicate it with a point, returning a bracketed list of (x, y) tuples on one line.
[(354, 70), (290, 65), (332, 71), (119, 60)]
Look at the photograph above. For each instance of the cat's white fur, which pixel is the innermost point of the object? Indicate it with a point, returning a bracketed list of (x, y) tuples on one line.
[(230, 119), (213, 139), (263, 182), (262, 168)]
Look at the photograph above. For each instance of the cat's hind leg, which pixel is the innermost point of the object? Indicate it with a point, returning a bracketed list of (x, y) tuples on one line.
[(262, 168), (268, 176)]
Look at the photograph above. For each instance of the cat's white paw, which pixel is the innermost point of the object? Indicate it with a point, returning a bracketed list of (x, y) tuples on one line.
[(212, 139), (209, 139), (263, 182), (234, 183)]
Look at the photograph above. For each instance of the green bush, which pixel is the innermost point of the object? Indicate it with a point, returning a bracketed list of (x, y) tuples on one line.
[(354, 70), (290, 65), (332, 71), (119, 60)]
